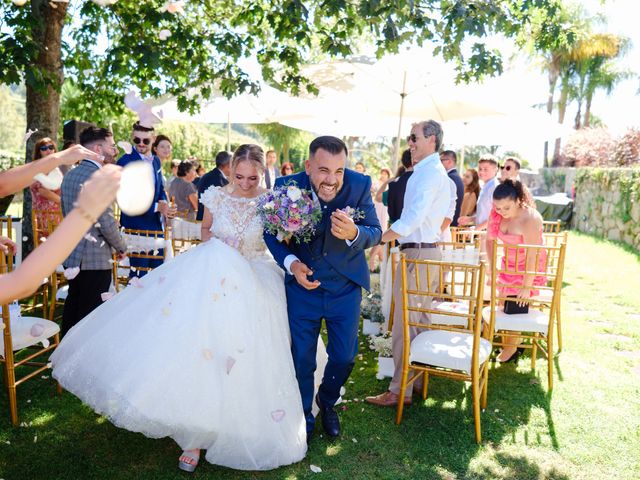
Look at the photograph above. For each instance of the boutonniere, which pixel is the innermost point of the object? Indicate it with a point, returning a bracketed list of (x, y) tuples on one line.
[(354, 214)]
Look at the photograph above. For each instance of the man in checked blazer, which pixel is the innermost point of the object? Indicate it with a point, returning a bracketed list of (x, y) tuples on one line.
[(93, 254)]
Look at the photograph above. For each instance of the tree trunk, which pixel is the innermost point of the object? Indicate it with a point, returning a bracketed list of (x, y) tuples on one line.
[(562, 108), (578, 120), (553, 80), (587, 112), (43, 104)]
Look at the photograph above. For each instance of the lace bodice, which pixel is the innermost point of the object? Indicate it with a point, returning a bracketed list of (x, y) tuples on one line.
[(235, 221)]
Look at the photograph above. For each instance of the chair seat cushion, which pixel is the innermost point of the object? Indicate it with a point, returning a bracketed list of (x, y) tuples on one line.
[(545, 295), (455, 307), (453, 350), (27, 331), (534, 321)]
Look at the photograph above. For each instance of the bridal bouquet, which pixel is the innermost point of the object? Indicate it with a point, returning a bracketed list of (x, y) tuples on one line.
[(289, 212)]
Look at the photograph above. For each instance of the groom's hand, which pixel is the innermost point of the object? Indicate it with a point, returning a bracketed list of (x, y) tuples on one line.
[(301, 272), (342, 226)]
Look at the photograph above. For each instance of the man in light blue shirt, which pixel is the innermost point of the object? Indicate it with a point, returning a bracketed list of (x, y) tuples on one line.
[(487, 171), (426, 204)]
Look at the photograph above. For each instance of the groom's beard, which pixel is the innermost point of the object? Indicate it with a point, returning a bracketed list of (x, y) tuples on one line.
[(323, 194)]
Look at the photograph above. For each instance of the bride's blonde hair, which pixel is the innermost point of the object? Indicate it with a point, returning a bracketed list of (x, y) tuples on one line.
[(249, 153)]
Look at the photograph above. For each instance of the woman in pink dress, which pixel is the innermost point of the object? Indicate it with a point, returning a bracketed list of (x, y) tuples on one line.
[(515, 221), (382, 214), (46, 203)]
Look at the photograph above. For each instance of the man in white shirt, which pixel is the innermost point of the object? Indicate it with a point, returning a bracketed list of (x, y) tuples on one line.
[(487, 171), (426, 203)]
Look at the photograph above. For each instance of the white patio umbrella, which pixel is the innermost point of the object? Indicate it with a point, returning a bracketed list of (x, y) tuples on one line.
[(364, 96)]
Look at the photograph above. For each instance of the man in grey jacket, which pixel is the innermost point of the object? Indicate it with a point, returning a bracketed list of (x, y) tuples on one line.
[(93, 254)]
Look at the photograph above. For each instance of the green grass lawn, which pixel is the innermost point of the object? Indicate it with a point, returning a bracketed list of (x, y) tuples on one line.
[(589, 428)]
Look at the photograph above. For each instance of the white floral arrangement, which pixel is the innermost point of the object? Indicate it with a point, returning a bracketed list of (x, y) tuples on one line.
[(382, 344), (371, 308)]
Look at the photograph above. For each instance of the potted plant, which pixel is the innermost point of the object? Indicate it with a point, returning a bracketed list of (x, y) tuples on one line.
[(372, 316), (382, 344)]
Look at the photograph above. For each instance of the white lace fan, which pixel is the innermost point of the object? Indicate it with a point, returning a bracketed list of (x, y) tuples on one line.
[(51, 180)]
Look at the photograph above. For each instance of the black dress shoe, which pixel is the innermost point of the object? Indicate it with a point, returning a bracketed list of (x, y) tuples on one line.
[(330, 420)]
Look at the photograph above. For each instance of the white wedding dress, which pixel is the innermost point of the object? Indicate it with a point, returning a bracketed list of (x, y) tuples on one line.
[(198, 351)]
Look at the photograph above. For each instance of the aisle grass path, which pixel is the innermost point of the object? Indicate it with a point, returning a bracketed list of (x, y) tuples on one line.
[(589, 428)]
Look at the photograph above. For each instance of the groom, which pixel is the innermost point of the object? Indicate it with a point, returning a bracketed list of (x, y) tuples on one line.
[(324, 277)]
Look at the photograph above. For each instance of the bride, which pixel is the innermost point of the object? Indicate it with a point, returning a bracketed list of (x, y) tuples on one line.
[(199, 349)]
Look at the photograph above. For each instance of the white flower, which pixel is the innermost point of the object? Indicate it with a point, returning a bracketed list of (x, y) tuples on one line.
[(294, 193), (269, 205)]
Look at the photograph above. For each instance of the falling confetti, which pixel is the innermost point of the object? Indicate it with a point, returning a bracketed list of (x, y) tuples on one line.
[(166, 311), (44, 377), (215, 297), (161, 279), (97, 225), (230, 363), (277, 415), (102, 244), (90, 238), (164, 34), (208, 354), (135, 281), (35, 439), (355, 440), (71, 273), (106, 296), (25, 238), (45, 343), (315, 469), (104, 3), (49, 365), (29, 132), (126, 146), (36, 330), (145, 114)]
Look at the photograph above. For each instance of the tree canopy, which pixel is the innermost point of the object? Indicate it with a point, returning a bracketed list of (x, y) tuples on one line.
[(105, 50)]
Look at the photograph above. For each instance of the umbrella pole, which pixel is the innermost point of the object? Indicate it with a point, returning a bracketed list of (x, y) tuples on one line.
[(228, 132), (396, 148)]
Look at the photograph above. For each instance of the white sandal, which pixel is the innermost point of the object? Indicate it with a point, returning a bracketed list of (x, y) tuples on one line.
[(189, 467)]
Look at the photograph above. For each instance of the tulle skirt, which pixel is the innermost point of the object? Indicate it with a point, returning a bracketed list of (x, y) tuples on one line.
[(198, 351)]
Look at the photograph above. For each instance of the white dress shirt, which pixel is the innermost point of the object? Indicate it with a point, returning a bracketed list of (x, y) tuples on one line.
[(445, 235), (485, 201), (426, 202)]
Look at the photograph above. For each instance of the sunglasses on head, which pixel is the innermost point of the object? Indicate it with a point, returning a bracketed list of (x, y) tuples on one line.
[(138, 140), (44, 148)]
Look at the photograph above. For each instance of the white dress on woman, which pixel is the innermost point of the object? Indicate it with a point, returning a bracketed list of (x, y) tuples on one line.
[(198, 350)]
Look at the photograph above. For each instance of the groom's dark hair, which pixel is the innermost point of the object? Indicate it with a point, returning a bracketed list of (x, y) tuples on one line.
[(329, 144)]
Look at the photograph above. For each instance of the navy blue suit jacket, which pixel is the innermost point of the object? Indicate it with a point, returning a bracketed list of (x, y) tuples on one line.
[(453, 175), (333, 262), (150, 220)]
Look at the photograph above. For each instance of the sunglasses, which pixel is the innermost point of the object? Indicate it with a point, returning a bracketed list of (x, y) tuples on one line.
[(507, 168), (138, 140), (44, 148), (413, 138)]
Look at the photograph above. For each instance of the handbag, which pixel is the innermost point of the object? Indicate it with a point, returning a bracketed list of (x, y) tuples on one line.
[(512, 308)]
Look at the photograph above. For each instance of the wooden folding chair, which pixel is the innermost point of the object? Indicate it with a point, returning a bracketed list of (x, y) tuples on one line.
[(551, 226), (149, 244), (555, 240), (393, 253), (21, 336), (536, 326), (184, 234), (460, 349)]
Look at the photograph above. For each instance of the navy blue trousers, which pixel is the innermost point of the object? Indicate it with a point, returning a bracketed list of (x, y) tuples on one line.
[(341, 313)]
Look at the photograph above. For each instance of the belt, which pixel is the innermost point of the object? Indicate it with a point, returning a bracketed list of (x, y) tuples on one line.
[(418, 245)]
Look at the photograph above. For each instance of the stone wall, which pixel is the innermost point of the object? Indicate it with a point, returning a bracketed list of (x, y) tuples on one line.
[(549, 180), (607, 203)]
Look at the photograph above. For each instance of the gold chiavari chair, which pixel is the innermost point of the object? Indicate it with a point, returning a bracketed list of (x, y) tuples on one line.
[(555, 240), (536, 326), (184, 234), (21, 336), (551, 226), (459, 349), (153, 240), (393, 253)]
